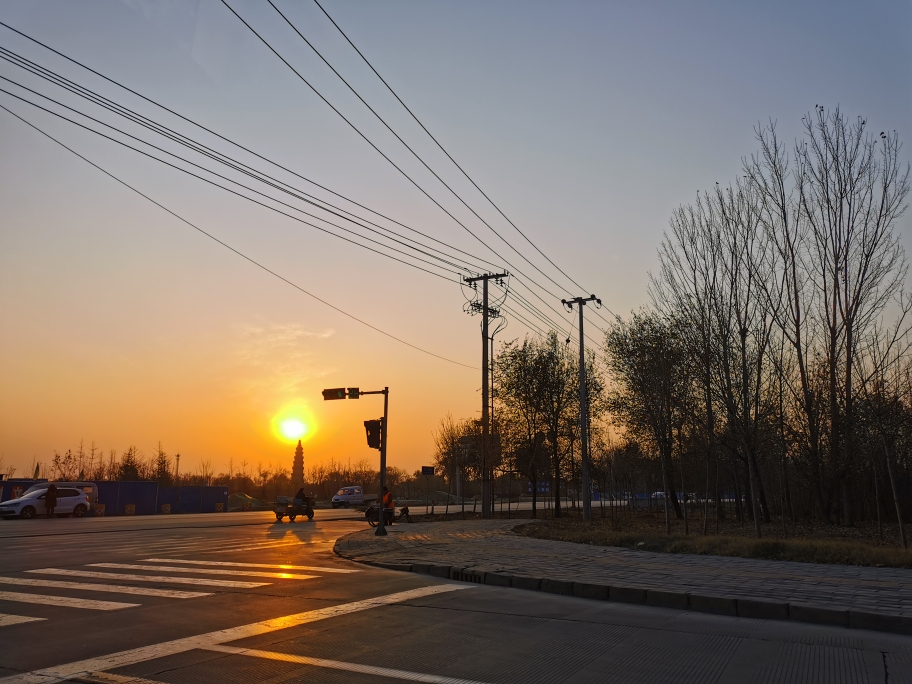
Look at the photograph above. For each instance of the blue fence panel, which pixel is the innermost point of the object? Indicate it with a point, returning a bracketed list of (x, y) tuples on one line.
[(140, 495), (168, 496), (212, 496), (108, 494), (190, 500), (14, 488)]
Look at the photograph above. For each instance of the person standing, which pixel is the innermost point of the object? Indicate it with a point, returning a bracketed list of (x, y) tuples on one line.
[(50, 500)]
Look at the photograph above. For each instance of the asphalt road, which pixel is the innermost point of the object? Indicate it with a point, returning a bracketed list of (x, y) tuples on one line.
[(205, 598)]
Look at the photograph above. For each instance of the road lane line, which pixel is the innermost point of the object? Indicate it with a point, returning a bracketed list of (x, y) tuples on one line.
[(110, 588), (60, 673), (64, 601), (204, 571), (339, 665), (6, 619), (233, 584), (278, 566)]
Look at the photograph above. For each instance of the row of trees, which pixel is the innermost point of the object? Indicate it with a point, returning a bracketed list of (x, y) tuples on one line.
[(264, 481), (773, 364)]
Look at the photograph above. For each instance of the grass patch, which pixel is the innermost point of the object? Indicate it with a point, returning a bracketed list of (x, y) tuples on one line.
[(841, 552)]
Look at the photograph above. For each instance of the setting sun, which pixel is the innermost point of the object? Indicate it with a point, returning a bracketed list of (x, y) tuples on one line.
[(293, 422), (292, 428)]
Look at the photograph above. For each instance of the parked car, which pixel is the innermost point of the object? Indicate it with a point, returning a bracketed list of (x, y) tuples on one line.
[(70, 501), (89, 488), (348, 497)]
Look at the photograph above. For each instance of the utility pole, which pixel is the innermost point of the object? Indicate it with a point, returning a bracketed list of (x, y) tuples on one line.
[(485, 390), (584, 408)]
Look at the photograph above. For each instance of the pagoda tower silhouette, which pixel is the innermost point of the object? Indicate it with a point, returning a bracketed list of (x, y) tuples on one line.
[(297, 468)]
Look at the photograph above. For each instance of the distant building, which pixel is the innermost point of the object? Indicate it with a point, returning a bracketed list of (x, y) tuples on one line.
[(297, 468)]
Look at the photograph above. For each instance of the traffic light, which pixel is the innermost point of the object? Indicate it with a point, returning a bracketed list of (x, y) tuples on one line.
[(373, 429), (354, 393), (335, 393)]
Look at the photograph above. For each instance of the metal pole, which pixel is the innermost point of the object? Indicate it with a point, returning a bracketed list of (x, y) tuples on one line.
[(485, 482), (584, 427), (381, 527)]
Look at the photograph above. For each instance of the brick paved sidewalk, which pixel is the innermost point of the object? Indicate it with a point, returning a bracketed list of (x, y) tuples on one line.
[(487, 551)]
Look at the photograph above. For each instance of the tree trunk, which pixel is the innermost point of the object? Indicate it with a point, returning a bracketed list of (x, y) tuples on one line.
[(899, 518)]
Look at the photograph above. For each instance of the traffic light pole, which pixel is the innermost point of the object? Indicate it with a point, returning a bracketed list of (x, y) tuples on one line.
[(355, 393), (584, 408), (486, 489), (381, 525)]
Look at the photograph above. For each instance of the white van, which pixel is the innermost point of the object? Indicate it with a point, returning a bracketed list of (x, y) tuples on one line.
[(348, 497)]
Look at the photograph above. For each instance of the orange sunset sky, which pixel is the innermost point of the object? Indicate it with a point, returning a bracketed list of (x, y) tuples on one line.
[(587, 122)]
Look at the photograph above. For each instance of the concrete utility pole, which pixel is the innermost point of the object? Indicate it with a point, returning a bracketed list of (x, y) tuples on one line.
[(584, 407), (485, 390)]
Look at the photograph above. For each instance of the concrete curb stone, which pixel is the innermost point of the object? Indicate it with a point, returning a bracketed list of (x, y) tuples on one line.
[(666, 599), (597, 592), (899, 624), (718, 605), (439, 571), (497, 580), (763, 610), (557, 587), (820, 616), (531, 583), (627, 595)]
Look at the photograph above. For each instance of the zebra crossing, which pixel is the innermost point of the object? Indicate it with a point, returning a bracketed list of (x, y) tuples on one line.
[(202, 576)]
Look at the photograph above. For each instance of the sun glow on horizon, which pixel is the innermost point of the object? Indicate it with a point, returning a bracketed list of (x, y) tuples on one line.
[(293, 423), (292, 428)]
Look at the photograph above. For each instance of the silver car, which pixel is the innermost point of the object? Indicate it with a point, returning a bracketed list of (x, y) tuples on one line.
[(70, 501)]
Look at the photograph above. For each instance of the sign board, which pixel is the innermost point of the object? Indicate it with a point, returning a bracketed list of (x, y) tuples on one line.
[(427, 470)]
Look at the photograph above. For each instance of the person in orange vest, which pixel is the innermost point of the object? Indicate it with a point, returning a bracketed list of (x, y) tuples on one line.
[(389, 506)]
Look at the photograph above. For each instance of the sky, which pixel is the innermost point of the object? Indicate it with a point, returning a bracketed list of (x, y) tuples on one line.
[(587, 123)]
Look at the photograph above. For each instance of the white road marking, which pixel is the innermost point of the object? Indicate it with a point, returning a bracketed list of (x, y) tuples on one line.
[(339, 665), (233, 584), (204, 571), (277, 566), (64, 601), (16, 619), (110, 588), (60, 673)]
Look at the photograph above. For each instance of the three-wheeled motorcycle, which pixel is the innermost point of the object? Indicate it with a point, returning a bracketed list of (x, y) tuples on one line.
[(287, 506)]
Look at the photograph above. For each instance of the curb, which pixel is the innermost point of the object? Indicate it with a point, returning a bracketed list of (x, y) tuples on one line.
[(717, 605)]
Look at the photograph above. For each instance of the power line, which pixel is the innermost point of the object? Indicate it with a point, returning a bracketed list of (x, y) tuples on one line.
[(234, 192), (442, 149), (229, 140), (521, 300), (200, 148), (239, 253), (380, 152), (409, 148), (239, 146)]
